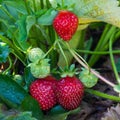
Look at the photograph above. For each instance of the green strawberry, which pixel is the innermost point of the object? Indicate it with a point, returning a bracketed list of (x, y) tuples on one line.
[(87, 78), (40, 69), (35, 54)]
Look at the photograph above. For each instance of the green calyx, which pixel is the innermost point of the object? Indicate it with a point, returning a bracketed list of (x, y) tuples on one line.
[(87, 78), (64, 6), (71, 71)]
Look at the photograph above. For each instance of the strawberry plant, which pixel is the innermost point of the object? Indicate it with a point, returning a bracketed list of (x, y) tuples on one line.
[(47, 57)]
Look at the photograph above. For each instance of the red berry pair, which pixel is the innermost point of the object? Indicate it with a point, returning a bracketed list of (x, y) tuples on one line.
[(67, 92)]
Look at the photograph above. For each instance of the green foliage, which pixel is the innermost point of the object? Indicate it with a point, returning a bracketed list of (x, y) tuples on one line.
[(118, 65), (19, 79), (88, 45), (28, 78), (58, 109), (43, 20), (22, 28), (19, 116), (30, 104), (95, 10), (58, 113), (10, 92), (4, 52), (57, 117), (18, 6)]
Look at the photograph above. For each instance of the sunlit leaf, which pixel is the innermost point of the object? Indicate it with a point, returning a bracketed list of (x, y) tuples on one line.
[(95, 10), (22, 28), (30, 21), (21, 34)]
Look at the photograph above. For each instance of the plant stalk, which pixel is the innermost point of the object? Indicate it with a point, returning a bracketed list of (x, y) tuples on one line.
[(112, 59), (14, 50), (92, 71), (102, 43), (98, 52), (103, 95)]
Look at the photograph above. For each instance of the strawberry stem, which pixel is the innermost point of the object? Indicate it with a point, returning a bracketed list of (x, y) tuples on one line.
[(86, 66), (82, 60), (14, 49), (63, 54), (41, 4), (98, 52), (9, 67), (34, 5), (62, 3), (103, 95), (112, 59), (51, 48)]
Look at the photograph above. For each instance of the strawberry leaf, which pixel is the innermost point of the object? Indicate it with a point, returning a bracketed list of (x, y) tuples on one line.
[(59, 113), (11, 92), (30, 21), (22, 28), (43, 20), (28, 77), (30, 104), (21, 35), (4, 52), (17, 116), (56, 117), (18, 5), (94, 10), (58, 109)]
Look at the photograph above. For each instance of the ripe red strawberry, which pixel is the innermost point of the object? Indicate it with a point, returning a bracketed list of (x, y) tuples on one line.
[(70, 92), (65, 24), (43, 90)]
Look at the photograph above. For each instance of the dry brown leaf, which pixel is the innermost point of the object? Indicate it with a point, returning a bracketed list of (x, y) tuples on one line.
[(113, 113)]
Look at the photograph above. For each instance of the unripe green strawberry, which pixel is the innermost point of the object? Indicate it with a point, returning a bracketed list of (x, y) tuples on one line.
[(87, 78), (70, 92), (43, 90), (40, 69), (65, 24), (35, 54)]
